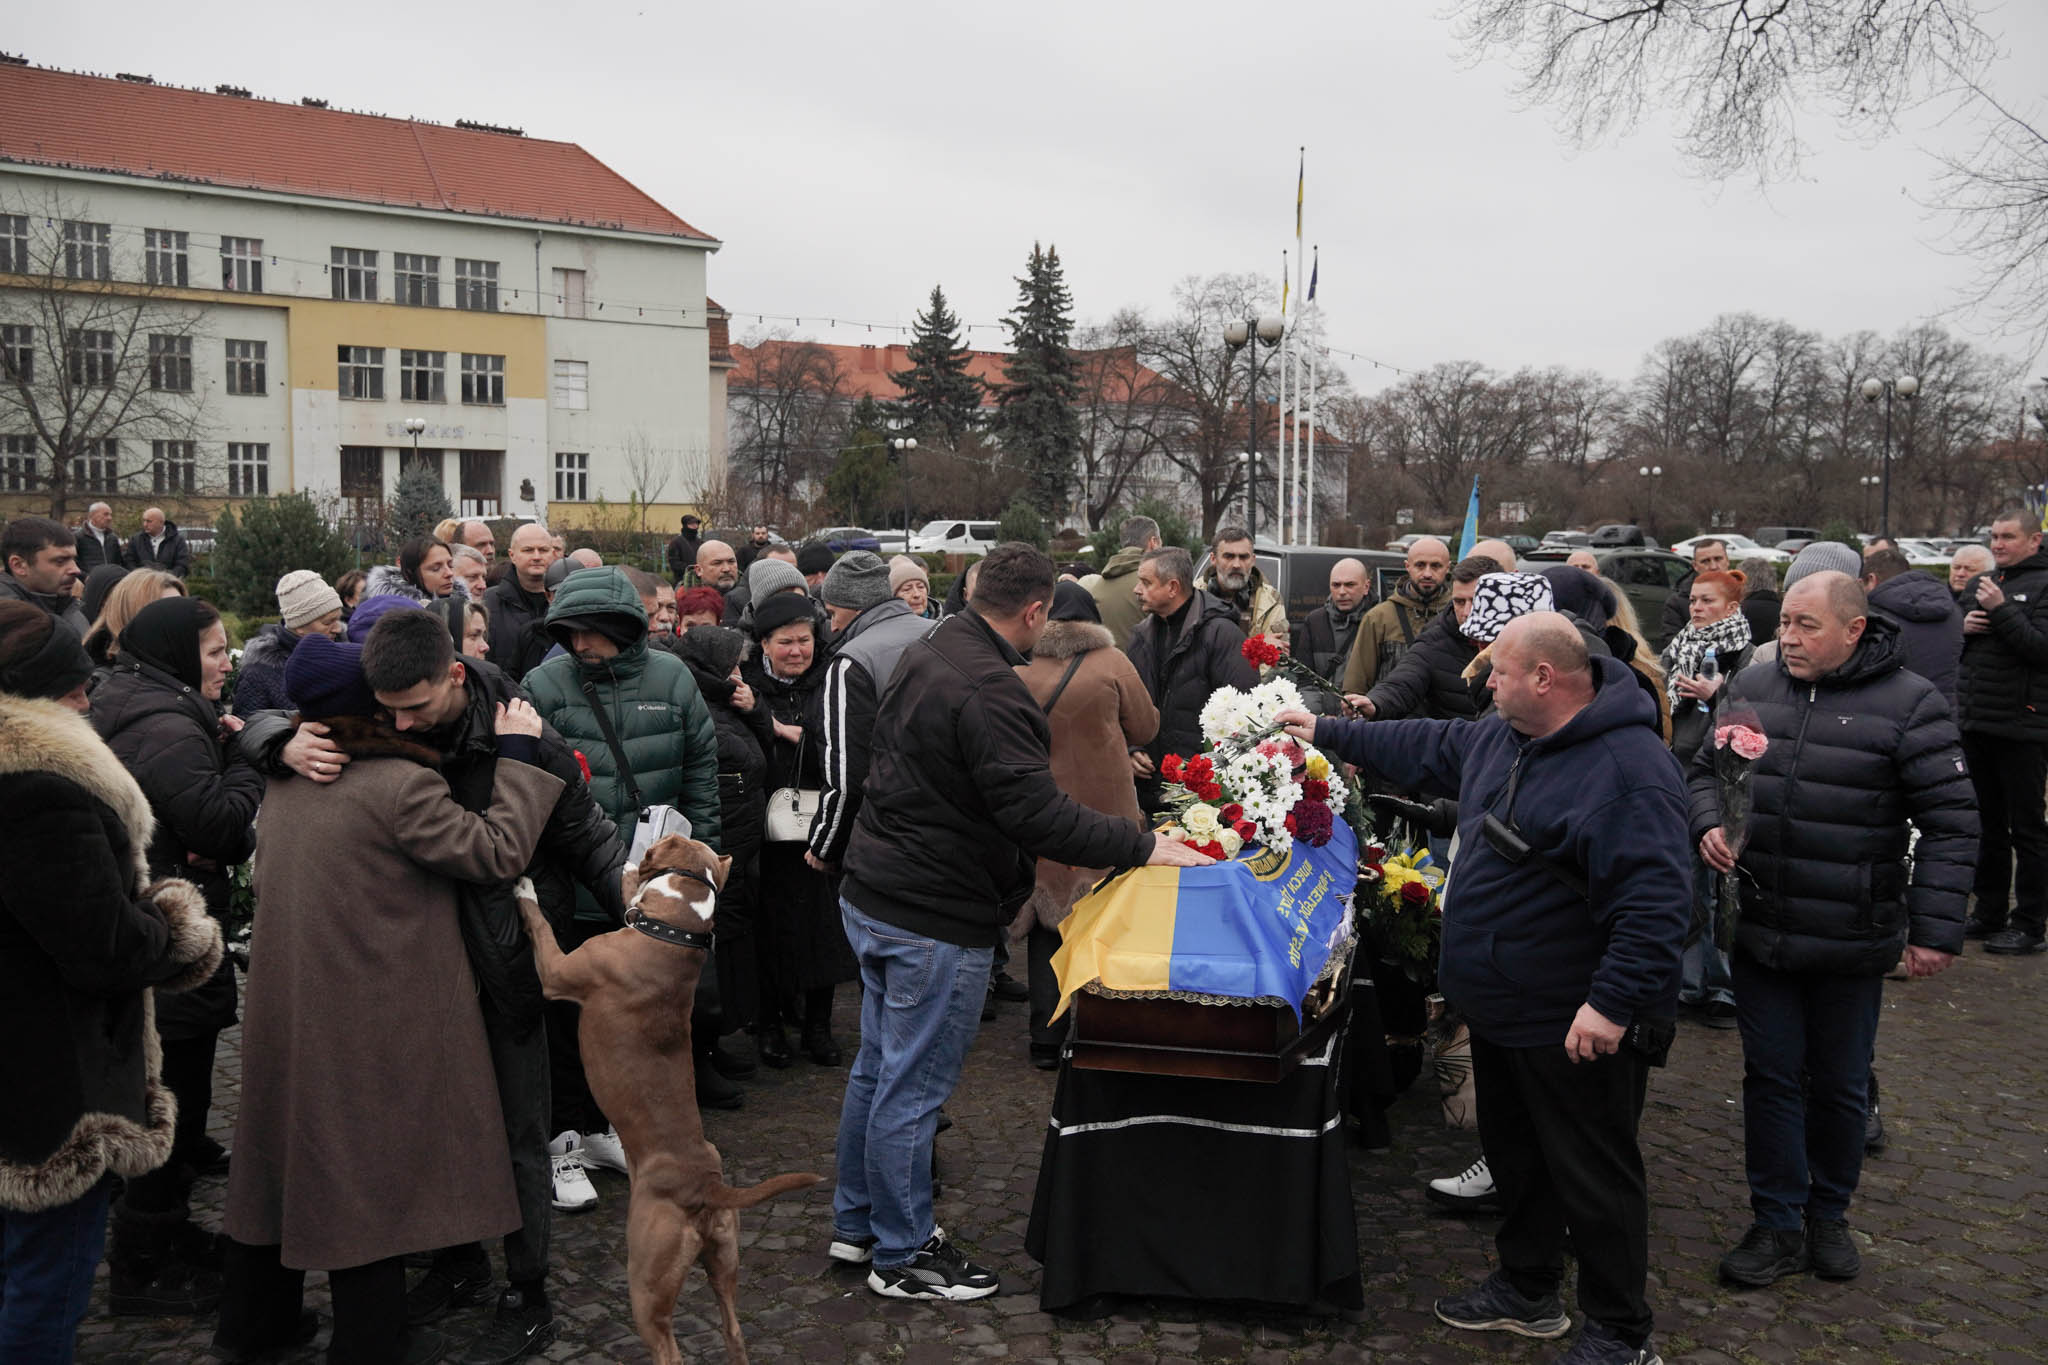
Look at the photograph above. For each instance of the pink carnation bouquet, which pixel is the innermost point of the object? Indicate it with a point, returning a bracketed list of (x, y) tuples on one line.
[(1738, 744)]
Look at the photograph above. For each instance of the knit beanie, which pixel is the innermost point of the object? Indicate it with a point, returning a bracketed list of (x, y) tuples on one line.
[(903, 569), (859, 580), (1821, 556), (303, 597), (1582, 594), (814, 559), (780, 610), (49, 663), (324, 678), (369, 611), (715, 649), (766, 577)]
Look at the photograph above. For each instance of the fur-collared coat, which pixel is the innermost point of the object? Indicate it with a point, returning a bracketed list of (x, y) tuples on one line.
[(1103, 712), (370, 1124), (84, 935)]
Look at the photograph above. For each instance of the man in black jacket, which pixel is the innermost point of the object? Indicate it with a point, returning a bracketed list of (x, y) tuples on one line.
[(1429, 681), (2004, 712), (98, 542), (1187, 645), (518, 604), (682, 550), (411, 665), (41, 559), (1857, 746), (160, 545), (1930, 621), (960, 801), (1322, 641)]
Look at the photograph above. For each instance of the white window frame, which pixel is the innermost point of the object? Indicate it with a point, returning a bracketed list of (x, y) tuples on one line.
[(92, 359), (415, 279), (164, 258), (468, 506), (360, 374), (248, 469), (476, 285), (248, 368), (483, 380), (353, 271), (97, 468), (18, 464), (174, 466), (416, 365), (572, 385), (170, 363), (88, 250), (572, 476), (14, 243), (18, 351), (241, 265)]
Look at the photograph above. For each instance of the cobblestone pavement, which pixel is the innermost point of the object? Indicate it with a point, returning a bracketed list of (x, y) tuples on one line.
[(1951, 1220)]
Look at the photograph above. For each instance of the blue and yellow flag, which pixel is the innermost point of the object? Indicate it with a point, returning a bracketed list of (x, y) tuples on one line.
[(1248, 930), (1470, 535)]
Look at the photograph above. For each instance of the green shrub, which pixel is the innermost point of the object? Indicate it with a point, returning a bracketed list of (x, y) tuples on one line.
[(1021, 521), (1842, 531), (418, 504), (271, 537)]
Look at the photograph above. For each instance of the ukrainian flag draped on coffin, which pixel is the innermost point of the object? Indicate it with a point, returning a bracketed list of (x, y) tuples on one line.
[(1246, 929)]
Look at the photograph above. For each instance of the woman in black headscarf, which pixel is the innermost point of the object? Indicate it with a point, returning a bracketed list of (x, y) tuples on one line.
[(159, 711), (98, 584)]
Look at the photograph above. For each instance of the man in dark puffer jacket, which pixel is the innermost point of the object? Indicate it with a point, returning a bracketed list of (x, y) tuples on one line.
[(1187, 646), (1428, 682), (2005, 733), (1858, 745)]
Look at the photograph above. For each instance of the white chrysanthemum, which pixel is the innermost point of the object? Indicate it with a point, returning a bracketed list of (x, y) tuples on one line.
[(1270, 698), (1224, 715)]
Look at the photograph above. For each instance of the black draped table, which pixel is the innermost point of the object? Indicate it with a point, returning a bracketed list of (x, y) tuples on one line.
[(1187, 1187)]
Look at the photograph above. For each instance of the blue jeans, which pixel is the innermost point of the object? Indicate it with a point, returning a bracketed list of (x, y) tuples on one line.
[(46, 1266), (1703, 972), (1806, 1040), (919, 1008)]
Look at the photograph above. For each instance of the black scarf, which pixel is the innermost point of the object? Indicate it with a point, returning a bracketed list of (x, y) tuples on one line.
[(165, 635)]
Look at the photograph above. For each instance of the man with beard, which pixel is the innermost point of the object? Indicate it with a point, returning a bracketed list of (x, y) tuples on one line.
[(1322, 642), (1234, 578), (717, 566), (1390, 628), (41, 558)]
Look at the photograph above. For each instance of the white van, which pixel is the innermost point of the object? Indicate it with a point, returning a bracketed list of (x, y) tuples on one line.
[(956, 538)]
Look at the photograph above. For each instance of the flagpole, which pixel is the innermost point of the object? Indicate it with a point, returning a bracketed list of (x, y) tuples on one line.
[(1308, 530), (1280, 416)]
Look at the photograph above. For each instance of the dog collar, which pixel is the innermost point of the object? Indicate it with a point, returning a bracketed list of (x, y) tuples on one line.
[(639, 919)]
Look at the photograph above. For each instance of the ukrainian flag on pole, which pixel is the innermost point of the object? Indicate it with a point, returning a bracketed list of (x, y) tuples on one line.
[(1470, 535)]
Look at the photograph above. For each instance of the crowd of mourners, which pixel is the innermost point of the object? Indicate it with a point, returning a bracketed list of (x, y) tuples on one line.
[(902, 781)]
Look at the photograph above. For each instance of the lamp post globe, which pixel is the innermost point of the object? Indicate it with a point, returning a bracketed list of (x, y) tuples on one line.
[(1236, 333), (1270, 328), (1872, 390), (1907, 385)]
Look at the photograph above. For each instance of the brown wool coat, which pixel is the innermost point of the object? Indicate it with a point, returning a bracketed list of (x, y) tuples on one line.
[(370, 1124), (1104, 711)]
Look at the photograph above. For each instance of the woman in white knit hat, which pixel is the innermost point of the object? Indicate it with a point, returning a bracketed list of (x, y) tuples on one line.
[(307, 606)]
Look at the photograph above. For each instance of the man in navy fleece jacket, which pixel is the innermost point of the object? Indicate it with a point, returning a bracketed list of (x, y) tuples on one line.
[(1551, 979)]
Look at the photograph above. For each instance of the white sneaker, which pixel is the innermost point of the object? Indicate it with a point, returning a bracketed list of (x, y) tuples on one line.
[(573, 1190), (1472, 1188), (604, 1149)]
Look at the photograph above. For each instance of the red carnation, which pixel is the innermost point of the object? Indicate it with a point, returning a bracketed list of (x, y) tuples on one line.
[(1289, 822), (1170, 767), (1315, 789), (1374, 854), (1213, 849), (1415, 893), (1210, 791), (1199, 769), (1231, 814), (582, 763), (1311, 822), (1260, 652)]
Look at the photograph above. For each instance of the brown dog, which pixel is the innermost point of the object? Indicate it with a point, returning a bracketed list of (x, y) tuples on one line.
[(636, 986)]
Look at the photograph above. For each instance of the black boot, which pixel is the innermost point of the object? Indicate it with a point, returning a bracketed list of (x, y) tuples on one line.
[(149, 1275), (817, 1039), (773, 1045), (714, 1091)]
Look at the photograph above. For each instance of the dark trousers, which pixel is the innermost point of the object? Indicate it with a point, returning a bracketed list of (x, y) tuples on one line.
[(1806, 1046), (47, 1261), (571, 1103), (1560, 1138), (522, 1066), (187, 1073), (262, 1299), (1044, 984), (2010, 778)]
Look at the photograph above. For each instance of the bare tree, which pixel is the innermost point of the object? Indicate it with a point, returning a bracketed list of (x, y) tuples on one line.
[(1130, 414), (95, 360), (1997, 197), (648, 470), (1188, 351), (1449, 423), (789, 404)]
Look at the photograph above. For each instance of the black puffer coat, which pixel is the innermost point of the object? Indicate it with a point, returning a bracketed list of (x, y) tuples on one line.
[(2002, 689), (1428, 683), (204, 797), (743, 739), (259, 682), (1205, 653), (1930, 625), (1852, 757)]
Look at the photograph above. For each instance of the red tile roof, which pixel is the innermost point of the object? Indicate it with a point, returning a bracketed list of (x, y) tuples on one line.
[(864, 370), (60, 118)]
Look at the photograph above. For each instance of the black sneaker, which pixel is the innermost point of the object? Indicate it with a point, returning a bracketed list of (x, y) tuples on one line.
[(1980, 929), (1765, 1256), (524, 1325), (1599, 1346), (2014, 943), (1832, 1250), (938, 1271), (1874, 1140), (1720, 1014), (444, 1289), (1497, 1306), (1009, 988)]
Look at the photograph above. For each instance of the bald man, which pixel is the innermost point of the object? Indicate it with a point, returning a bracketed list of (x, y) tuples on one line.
[(1583, 558), (1323, 639), (1857, 747), (158, 545), (717, 566), (1391, 627), (1574, 877), (518, 602)]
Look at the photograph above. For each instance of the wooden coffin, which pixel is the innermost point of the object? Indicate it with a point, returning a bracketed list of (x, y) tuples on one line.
[(1248, 1042)]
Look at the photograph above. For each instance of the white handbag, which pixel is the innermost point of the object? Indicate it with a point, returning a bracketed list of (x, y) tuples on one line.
[(791, 809)]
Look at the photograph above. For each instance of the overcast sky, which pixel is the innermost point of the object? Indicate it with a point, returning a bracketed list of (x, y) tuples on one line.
[(852, 155)]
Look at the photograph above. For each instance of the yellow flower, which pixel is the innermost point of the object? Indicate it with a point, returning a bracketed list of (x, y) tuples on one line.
[(1201, 820), (1318, 767)]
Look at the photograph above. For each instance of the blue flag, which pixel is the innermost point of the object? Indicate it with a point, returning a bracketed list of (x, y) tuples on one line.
[(1470, 535)]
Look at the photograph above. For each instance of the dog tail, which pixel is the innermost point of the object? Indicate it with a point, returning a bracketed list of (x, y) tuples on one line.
[(723, 1196)]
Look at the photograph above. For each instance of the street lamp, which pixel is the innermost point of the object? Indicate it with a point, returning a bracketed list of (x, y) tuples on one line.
[(901, 445), (1906, 387), (1869, 481), (1651, 472), (1236, 334)]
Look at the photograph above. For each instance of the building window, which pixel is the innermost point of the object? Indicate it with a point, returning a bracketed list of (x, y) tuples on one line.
[(572, 476), (248, 469), (85, 251), (241, 264), (415, 279), (95, 467), (170, 364), (483, 379), (246, 363), (14, 243), (483, 483), (174, 466), (476, 285), (362, 485), (572, 384), (423, 376), (362, 371), (18, 352), (92, 359), (17, 464), (354, 273), (569, 292), (163, 257)]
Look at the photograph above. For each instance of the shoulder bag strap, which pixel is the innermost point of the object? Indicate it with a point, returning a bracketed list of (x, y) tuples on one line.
[(611, 739), (1407, 626), (1065, 678)]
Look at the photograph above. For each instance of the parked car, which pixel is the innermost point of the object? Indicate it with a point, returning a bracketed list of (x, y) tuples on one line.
[(1399, 544), (840, 539), (1647, 577), (1522, 545), (1740, 547), (1922, 551), (1570, 540), (1777, 535), (1616, 534), (956, 538), (1301, 573), (1795, 545)]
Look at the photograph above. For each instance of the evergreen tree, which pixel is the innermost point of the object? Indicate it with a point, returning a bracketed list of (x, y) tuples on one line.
[(940, 399), (418, 504), (1036, 422), (272, 537)]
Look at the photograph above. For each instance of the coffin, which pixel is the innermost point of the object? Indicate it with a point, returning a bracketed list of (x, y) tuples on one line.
[(1241, 1041)]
